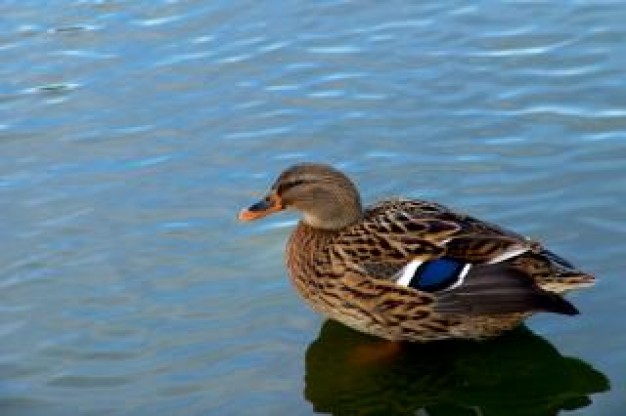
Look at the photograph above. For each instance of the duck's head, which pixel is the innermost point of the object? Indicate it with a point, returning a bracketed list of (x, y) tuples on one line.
[(326, 197)]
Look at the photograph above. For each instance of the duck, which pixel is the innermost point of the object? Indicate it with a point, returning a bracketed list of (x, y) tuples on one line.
[(410, 270)]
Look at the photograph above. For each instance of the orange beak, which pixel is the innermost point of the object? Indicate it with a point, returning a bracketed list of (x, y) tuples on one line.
[(264, 207)]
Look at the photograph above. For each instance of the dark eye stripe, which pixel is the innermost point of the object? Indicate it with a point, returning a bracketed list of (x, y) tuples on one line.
[(288, 185)]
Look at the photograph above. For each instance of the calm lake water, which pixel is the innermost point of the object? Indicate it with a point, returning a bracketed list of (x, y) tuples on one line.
[(131, 132)]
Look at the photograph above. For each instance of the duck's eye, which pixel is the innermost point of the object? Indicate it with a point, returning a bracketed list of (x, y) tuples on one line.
[(288, 185)]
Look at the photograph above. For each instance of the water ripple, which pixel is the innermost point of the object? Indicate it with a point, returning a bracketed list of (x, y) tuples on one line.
[(334, 49)]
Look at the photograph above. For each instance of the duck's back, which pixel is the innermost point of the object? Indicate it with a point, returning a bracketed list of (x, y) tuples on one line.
[(479, 241)]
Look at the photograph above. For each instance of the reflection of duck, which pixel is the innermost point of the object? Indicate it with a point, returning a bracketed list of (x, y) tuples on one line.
[(516, 374), (411, 270)]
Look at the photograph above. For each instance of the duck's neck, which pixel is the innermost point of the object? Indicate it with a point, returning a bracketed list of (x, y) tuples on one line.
[(335, 213)]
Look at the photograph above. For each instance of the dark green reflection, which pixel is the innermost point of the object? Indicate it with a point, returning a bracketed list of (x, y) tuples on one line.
[(519, 373)]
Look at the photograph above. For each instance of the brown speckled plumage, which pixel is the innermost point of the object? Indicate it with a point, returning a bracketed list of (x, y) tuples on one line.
[(345, 261)]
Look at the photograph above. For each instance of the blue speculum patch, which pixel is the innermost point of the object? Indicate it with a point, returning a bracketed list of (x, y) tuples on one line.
[(437, 274)]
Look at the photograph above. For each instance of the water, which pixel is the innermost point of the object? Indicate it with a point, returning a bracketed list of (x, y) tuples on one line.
[(132, 132)]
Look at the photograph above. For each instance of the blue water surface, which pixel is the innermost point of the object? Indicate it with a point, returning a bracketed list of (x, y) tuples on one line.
[(131, 133)]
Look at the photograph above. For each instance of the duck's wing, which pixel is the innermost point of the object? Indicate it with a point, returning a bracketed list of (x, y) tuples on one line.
[(497, 289), (467, 264)]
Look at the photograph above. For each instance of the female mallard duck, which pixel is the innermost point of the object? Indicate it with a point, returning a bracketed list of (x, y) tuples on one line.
[(407, 269)]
